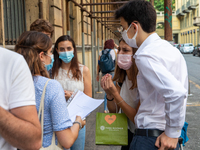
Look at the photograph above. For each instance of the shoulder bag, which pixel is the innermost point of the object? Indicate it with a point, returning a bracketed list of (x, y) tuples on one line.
[(53, 145)]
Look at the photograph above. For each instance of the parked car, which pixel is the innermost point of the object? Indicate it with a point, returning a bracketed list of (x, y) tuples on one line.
[(180, 45), (176, 45), (196, 50), (187, 48)]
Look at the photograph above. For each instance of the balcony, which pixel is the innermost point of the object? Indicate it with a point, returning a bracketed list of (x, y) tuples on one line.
[(184, 9), (179, 13), (196, 21), (191, 4)]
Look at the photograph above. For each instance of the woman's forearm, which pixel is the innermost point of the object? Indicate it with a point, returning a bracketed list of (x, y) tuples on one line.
[(127, 109)]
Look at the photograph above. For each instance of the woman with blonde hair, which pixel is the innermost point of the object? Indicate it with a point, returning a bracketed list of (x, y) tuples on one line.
[(124, 97), (36, 48)]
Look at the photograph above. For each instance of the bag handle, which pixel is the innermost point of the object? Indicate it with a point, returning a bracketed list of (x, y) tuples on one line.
[(41, 109)]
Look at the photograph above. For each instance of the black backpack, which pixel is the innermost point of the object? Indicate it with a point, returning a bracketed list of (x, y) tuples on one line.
[(106, 63)]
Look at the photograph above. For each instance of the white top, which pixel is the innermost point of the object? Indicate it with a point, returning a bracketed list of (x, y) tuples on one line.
[(162, 84), (131, 97), (68, 83), (16, 85), (112, 53)]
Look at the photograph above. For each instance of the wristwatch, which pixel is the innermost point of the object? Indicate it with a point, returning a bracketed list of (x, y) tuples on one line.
[(80, 125)]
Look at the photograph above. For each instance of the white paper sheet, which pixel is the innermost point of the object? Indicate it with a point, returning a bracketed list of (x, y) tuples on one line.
[(82, 105)]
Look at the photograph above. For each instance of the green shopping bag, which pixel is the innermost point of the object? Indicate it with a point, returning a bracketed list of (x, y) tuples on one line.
[(111, 129)]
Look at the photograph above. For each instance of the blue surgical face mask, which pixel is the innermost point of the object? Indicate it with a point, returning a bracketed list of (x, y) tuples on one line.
[(66, 56), (49, 66)]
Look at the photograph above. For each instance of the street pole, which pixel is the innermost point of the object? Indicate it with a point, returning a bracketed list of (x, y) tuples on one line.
[(98, 36), (2, 21), (95, 46), (199, 16), (102, 42), (95, 38), (67, 16), (152, 2), (83, 36), (168, 20), (92, 53)]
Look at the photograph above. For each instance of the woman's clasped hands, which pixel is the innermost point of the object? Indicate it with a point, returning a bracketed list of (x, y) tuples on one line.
[(108, 85)]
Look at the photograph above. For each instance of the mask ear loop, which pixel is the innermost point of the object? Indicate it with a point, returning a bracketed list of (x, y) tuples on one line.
[(136, 29), (129, 27)]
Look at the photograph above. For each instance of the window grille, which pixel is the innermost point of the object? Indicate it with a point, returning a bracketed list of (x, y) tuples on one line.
[(14, 20)]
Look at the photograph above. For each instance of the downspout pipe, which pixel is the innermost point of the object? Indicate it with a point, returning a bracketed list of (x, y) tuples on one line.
[(41, 9)]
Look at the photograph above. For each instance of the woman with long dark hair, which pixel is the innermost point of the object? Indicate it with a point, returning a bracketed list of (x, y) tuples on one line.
[(36, 48), (124, 97), (72, 75)]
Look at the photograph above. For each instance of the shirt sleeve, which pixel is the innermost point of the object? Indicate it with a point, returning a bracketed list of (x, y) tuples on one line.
[(22, 92), (100, 53), (59, 111), (112, 53), (170, 88)]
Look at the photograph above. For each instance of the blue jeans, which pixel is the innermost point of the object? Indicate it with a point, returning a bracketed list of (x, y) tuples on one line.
[(79, 144), (145, 143), (105, 99)]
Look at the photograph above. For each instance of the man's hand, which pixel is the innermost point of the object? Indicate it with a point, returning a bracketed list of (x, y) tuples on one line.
[(164, 142)]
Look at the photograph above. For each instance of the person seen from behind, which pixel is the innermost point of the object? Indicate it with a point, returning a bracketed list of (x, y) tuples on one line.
[(72, 75), (106, 63), (43, 26), (19, 124), (127, 98), (36, 48), (162, 79)]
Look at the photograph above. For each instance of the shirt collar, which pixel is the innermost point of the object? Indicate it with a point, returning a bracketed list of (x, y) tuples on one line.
[(151, 38)]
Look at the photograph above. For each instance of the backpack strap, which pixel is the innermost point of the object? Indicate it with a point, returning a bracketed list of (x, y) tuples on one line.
[(103, 51), (115, 54), (109, 50)]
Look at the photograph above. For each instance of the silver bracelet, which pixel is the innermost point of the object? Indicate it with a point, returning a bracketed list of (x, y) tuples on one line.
[(80, 125), (120, 102)]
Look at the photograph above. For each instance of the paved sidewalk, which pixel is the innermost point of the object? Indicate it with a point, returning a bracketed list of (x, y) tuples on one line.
[(90, 129), (192, 117)]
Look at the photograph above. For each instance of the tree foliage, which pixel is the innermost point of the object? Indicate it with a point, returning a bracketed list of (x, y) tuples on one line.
[(159, 5)]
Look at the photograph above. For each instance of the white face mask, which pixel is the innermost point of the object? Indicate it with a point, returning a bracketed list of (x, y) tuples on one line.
[(130, 42)]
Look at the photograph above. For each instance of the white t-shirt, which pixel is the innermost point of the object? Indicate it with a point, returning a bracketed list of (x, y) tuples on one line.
[(16, 85), (131, 97), (112, 53)]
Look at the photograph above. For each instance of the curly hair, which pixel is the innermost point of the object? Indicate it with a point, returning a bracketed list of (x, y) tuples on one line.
[(42, 25)]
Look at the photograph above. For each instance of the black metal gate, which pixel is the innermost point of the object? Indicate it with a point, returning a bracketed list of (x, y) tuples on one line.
[(14, 20)]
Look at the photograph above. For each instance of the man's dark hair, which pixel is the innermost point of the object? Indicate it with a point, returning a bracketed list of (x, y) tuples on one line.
[(42, 25), (141, 11)]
